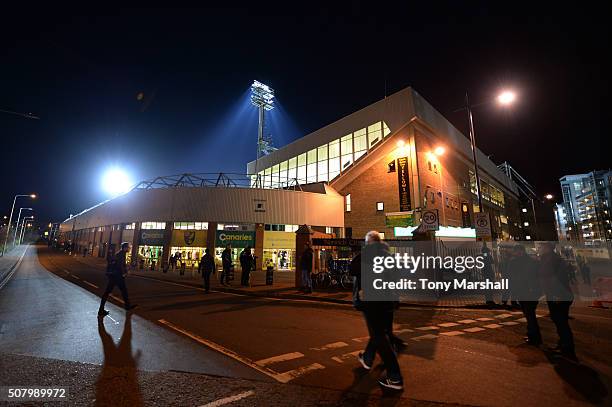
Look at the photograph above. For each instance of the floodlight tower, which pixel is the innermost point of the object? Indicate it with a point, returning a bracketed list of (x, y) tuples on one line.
[(262, 96)]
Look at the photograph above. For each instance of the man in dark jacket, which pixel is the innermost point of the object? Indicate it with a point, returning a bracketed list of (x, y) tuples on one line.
[(226, 262), (379, 317), (207, 267), (555, 280), (525, 287), (115, 272), (246, 263), (306, 268)]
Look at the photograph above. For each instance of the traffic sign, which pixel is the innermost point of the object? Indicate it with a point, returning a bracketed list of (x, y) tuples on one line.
[(430, 220), (482, 224)]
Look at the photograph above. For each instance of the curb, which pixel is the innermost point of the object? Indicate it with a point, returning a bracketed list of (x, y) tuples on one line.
[(308, 297), (6, 276)]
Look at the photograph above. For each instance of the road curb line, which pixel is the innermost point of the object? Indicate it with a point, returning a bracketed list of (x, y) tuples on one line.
[(12, 269)]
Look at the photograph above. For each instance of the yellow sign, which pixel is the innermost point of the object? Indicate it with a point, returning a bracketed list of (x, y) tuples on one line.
[(189, 238), (279, 240)]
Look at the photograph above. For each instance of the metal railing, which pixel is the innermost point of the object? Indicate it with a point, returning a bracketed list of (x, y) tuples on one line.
[(224, 180)]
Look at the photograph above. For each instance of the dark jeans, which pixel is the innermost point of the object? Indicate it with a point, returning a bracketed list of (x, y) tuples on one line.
[(245, 276), (533, 328), (559, 313), (119, 281), (206, 276), (225, 275), (378, 325), (306, 279)]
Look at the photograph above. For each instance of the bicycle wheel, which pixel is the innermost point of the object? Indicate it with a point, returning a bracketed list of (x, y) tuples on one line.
[(324, 280), (346, 281)]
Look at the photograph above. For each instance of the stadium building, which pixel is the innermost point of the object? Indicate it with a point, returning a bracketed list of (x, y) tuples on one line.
[(377, 168)]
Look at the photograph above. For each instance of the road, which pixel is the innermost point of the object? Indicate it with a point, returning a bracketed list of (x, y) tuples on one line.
[(463, 356)]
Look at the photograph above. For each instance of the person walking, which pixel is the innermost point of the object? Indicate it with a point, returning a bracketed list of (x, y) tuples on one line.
[(172, 261), (246, 263), (555, 275), (207, 267), (379, 317), (115, 273), (525, 286), (306, 268), (226, 262)]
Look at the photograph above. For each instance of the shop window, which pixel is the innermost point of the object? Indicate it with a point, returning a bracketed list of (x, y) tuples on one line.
[(347, 202), (153, 225), (380, 206)]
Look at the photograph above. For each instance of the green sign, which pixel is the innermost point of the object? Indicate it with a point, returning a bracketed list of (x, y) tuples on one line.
[(235, 238), (399, 220)]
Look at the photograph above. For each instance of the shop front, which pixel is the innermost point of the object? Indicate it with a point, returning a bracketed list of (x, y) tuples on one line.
[(188, 246), (279, 250), (237, 239), (150, 248)]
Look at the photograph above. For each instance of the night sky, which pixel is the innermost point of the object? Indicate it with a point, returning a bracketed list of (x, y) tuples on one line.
[(81, 74)]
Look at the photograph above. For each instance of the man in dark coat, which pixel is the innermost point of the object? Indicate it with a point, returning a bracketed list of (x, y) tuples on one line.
[(555, 277), (246, 263), (525, 287), (115, 272), (379, 317), (226, 262), (207, 267), (306, 268)]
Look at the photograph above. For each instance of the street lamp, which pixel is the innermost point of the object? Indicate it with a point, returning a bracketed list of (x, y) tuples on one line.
[(8, 229), (18, 218), (504, 98), (23, 225)]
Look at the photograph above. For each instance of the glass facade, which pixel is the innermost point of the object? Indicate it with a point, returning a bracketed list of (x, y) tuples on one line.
[(191, 225), (489, 192), (153, 225), (325, 162)]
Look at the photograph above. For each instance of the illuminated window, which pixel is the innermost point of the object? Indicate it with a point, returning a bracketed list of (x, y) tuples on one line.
[(528, 237), (334, 168), (525, 223), (130, 226), (329, 230), (374, 134), (191, 225), (347, 202), (360, 143), (283, 172), (153, 225), (524, 210), (382, 235), (380, 206), (346, 144), (334, 149), (386, 130)]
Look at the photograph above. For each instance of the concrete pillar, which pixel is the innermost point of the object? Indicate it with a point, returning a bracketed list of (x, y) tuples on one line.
[(167, 243), (259, 239), (211, 237), (135, 243), (302, 236)]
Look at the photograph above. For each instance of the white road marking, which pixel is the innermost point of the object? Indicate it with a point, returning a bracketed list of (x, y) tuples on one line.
[(230, 399), (522, 319), (114, 297), (467, 321), (517, 312), (492, 326), (428, 336), (362, 339), (452, 333), (90, 284), (279, 358), (13, 269), (333, 345), (427, 328), (448, 324), (280, 377), (401, 331), (485, 319), (509, 323), (502, 316), (295, 373), (75, 277), (337, 359), (475, 329)]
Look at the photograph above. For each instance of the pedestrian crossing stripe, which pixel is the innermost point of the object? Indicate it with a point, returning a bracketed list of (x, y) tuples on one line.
[(475, 329), (492, 326)]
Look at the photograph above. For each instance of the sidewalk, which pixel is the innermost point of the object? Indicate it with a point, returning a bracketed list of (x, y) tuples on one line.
[(9, 261), (283, 287)]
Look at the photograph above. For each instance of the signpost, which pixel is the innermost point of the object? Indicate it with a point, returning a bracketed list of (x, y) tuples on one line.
[(482, 224), (430, 220)]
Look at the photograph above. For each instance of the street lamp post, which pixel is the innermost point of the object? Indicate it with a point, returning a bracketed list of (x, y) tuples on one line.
[(18, 218), (23, 225), (8, 229), (504, 98)]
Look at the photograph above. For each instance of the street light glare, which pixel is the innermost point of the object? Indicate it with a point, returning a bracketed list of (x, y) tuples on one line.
[(116, 182), (549, 196), (439, 150), (33, 196), (507, 97)]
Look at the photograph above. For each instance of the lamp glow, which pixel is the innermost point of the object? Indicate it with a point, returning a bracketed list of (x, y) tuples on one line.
[(549, 196), (439, 150), (116, 182), (506, 97)]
